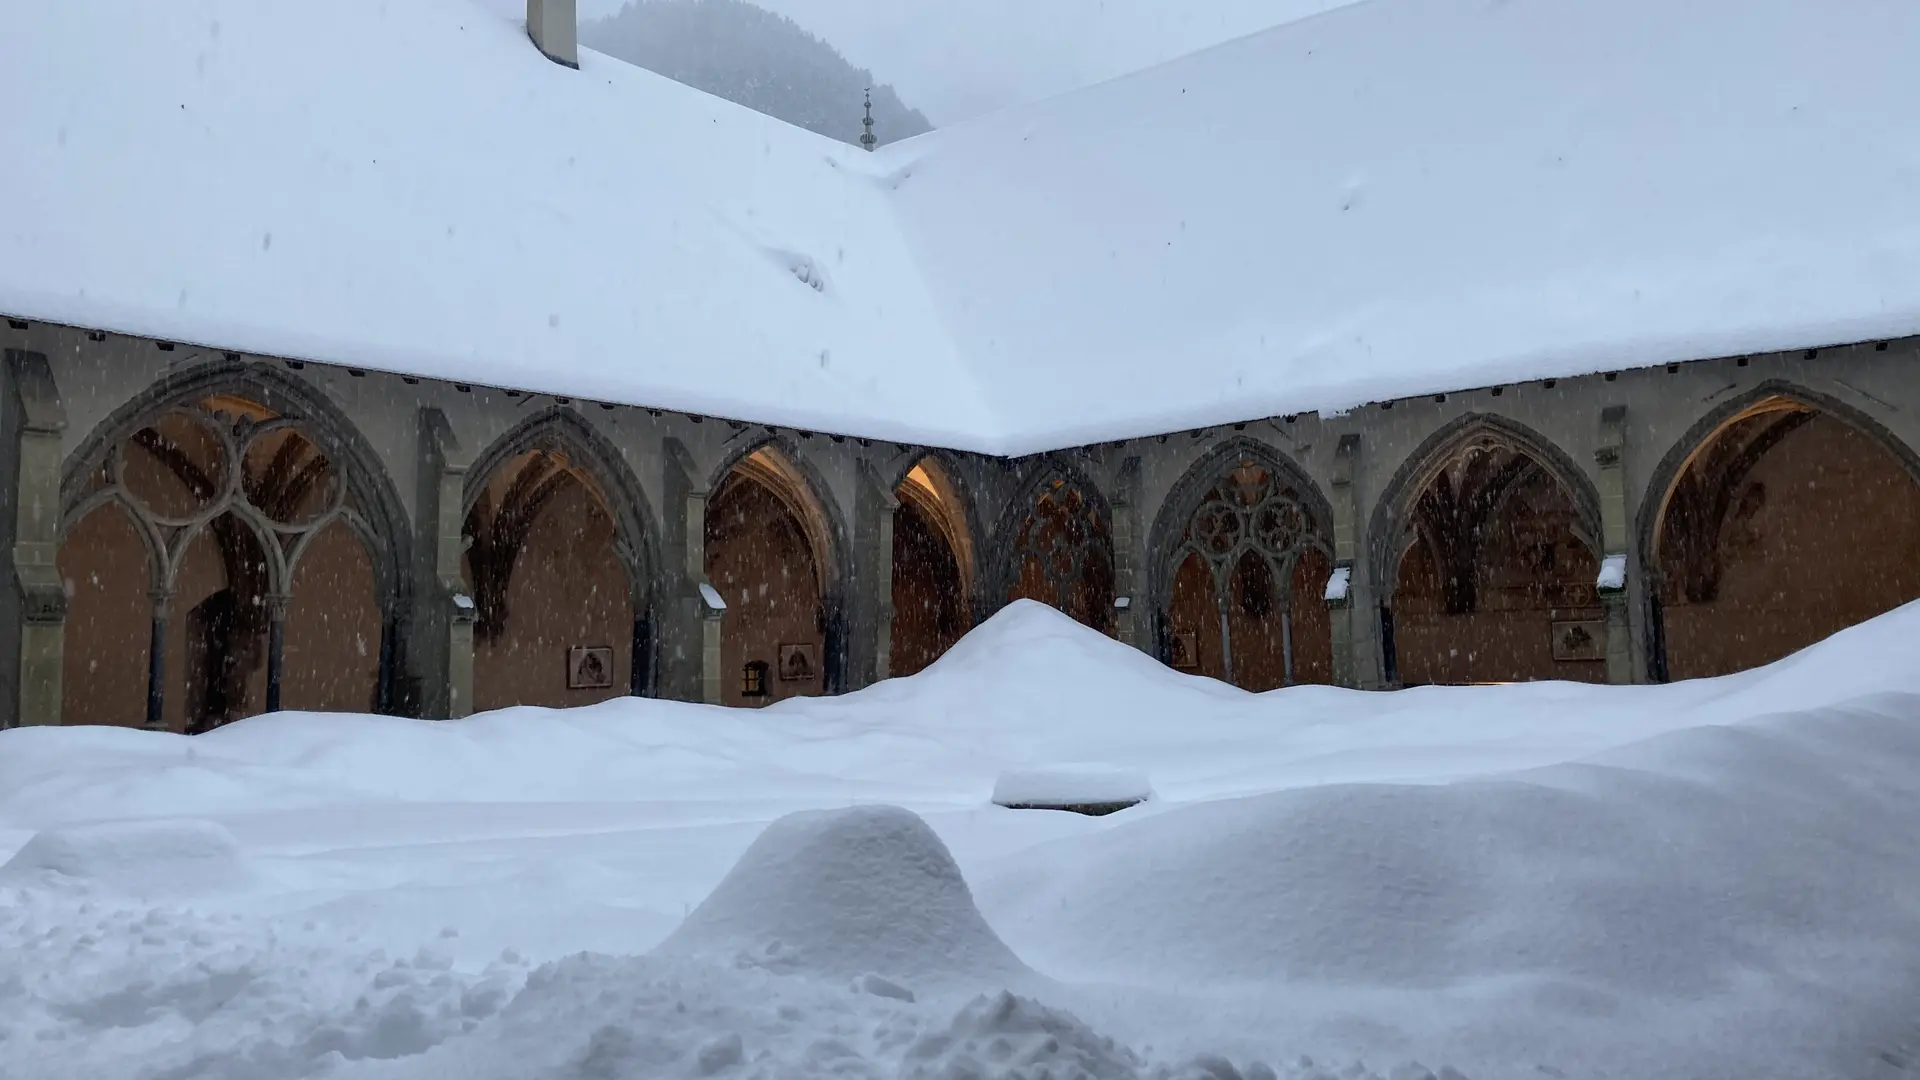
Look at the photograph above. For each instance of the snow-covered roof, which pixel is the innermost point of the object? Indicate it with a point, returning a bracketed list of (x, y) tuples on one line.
[(410, 186), (1397, 197)]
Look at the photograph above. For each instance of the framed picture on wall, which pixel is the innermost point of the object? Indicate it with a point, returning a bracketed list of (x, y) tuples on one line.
[(1186, 650), (590, 667), (1585, 639), (799, 662)]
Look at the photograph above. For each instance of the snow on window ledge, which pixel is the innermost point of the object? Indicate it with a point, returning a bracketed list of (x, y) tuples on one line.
[(1338, 584), (1613, 574)]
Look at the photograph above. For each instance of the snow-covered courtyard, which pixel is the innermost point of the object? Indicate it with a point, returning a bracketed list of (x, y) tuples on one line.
[(1707, 879)]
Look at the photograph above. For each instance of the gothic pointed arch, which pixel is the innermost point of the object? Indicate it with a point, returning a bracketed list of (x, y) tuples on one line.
[(1055, 544), (933, 575), (381, 515), (776, 552), (1781, 516), (276, 549), (560, 556), (1239, 555), (1486, 545), (111, 566)]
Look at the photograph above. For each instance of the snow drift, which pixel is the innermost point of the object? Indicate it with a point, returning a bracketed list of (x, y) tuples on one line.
[(860, 892), (1028, 689), (1699, 880), (137, 858)]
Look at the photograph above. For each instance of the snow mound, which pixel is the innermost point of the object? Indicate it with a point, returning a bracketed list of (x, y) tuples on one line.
[(1097, 788), (1704, 879), (99, 990), (847, 893), (1007, 1037), (138, 858), (592, 1016)]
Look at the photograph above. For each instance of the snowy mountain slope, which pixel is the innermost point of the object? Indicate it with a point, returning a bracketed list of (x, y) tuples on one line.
[(1412, 196), (1696, 880), (1392, 198), (961, 61)]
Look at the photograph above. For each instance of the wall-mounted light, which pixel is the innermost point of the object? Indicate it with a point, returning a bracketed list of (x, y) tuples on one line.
[(712, 598), (753, 679), (1122, 603)]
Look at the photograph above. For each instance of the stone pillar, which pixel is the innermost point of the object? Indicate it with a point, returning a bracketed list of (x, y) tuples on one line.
[(709, 606), (883, 591), (1131, 622), (1614, 530), (870, 592), (35, 609), (1346, 549), (444, 612)]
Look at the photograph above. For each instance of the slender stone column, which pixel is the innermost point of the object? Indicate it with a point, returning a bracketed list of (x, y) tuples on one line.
[(157, 663), (276, 647), (390, 637), (1614, 529), (37, 605)]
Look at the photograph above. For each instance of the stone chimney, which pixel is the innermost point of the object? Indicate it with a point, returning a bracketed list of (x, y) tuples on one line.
[(554, 28)]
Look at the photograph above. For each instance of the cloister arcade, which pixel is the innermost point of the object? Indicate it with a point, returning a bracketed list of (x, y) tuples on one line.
[(1246, 554), (1059, 547), (772, 555), (1493, 555), (1782, 519), (933, 568), (226, 552), (557, 570), (237, 536)]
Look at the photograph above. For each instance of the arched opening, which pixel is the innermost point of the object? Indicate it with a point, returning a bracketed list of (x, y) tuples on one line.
[(768, 548), (1063, 554), (932, 569), (219, 632), (109, 581), (1784, 525), (553, 599), (236, 497), (334, 626), (1245, 603), (1495, 573)]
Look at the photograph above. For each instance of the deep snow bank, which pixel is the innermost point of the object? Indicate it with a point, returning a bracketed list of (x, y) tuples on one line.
[(858, 892), (1028, 689), (136, 858), (1749, 892), (1687, 901)]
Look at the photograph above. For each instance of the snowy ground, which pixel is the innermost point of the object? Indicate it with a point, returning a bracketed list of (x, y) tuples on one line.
[(1715, 879)]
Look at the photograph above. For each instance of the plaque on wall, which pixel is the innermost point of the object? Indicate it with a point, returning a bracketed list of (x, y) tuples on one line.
[(1585, 639), (1186, 650), (799, 662), (589, 667)]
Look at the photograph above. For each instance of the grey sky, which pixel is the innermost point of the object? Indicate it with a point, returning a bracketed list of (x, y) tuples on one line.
[(955, 59)]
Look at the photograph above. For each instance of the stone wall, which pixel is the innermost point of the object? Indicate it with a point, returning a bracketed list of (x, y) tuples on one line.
[(1469, 524)]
